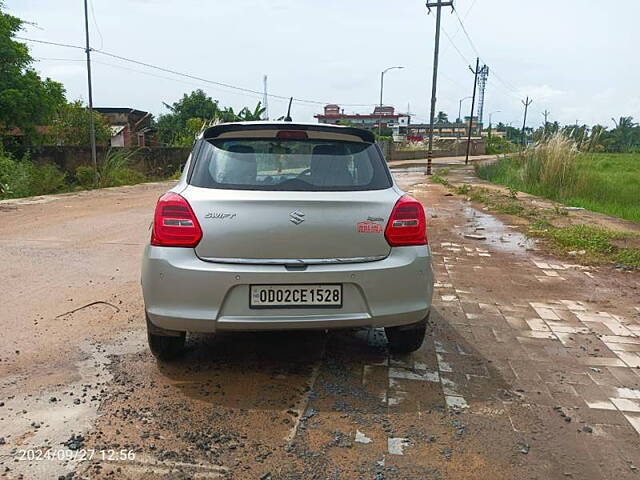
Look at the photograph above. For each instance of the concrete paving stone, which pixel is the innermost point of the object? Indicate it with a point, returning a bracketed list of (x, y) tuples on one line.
[(405, 374), (539, 335), (598, 328), (625, 392), (634, 421), (601, 362), (600, 405), (524, 370), (505, 336), (620, 339), (516, 322), (551, 273), (623, 347), (483, 334), (537, 324), (597, 417), (541, 265), (489, 308), (618, 329), (456, 402), (557, 266), (546, 313), (628, 377), (574, 305), (592, 316), (632, 359), (570, 330), (567, 400), (535, 305), (626, 404), (561, 388), (568, 339), (566, 315)]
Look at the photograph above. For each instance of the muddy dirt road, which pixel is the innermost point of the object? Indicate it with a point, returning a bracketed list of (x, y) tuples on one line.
[(530, 369)]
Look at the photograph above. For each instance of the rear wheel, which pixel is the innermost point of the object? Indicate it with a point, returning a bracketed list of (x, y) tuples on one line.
[(406, 338), (165, 345)]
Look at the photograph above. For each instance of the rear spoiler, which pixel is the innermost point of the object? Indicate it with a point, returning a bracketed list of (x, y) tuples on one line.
[(224, 129)]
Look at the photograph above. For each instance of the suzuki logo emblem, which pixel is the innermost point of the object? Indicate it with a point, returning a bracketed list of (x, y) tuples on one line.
[(296, 217)]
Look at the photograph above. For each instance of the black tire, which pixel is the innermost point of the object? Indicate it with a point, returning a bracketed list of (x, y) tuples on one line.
[(406, 339), (165, 347)]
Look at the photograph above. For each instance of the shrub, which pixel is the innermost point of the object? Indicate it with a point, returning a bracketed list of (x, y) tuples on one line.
[(85, 176), (21, 178), (114, 169), (128, 176), (498, 145), (46, 179)]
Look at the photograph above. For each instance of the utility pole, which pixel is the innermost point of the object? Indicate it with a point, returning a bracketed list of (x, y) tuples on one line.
[(546, 114), (438, 4), (526, 104), (473, 105), (381, 90), (92, 131), (265, 101)]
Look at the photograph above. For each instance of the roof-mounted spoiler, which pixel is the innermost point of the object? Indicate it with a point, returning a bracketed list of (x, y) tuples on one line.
[(217, 130)]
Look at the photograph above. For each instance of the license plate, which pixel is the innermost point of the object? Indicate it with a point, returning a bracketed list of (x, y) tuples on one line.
[(295, 296)]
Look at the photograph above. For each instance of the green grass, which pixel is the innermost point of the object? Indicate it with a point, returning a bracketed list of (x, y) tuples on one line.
[(606, 183), (594, 244)]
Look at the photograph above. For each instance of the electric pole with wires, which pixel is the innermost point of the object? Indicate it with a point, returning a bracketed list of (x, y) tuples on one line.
[(473, 106), (546, 114), (436, 51), (92, 130), (526, 104)]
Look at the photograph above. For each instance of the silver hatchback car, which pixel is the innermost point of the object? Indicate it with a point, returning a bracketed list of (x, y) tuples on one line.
[(279, 226)]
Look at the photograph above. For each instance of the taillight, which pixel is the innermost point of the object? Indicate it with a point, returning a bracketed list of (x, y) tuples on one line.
[(292, 134), (174, 223), (407, 224)]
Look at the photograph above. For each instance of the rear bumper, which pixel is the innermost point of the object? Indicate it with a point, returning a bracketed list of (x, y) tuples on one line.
[(182, 292)]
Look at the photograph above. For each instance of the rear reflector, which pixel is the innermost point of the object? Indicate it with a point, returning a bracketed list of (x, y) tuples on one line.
[(174, 223), (407, 224), (292, 134)]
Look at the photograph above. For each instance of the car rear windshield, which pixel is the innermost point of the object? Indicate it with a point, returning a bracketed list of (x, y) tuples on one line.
[(289, 164)]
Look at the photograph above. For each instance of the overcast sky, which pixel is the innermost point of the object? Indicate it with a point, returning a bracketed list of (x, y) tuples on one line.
[(576, 58)]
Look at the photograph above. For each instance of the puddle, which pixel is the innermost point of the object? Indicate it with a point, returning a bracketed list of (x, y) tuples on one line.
[(499, 235), (34, 423)]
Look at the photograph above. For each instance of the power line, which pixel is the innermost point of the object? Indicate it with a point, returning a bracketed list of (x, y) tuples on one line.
[(194, 77), (95, 22), (466, 33), (50, 43)]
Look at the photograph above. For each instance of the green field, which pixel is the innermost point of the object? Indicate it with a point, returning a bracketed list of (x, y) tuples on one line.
[(602, 182)]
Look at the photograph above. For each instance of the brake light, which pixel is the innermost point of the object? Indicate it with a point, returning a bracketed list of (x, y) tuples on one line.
[(292, 134), (174, 223), (407, 224)]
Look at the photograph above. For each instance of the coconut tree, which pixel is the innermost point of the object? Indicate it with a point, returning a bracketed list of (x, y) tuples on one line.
[(624, 134)]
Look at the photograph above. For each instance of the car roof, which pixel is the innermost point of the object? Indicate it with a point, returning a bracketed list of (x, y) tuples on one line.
[(217, 130)]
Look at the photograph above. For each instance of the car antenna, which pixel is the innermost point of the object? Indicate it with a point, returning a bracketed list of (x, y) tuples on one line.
[(288, 117)]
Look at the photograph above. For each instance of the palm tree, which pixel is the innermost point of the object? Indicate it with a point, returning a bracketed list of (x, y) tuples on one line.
[(442, 118), (624, 133)]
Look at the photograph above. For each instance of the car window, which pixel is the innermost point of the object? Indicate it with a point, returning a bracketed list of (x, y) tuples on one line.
[(289, 164)]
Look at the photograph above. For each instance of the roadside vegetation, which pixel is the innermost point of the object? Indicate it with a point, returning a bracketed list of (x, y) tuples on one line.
[(586, 244), (23, 178), (558, 170)]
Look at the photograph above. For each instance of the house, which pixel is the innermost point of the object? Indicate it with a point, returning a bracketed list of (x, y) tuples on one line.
[(417, 132), (129, 127), (383, 115)]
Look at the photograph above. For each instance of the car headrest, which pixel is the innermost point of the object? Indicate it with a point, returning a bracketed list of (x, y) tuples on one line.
[(330, 149)]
